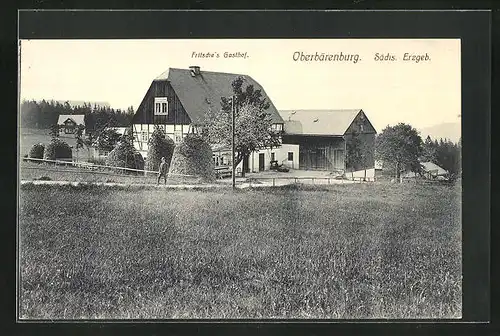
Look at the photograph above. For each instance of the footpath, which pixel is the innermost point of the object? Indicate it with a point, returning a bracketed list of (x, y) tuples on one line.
[(225, 185), (147, 185)]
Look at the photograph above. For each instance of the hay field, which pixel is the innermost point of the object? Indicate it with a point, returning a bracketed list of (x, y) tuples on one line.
[(343, 251), (30, 136)]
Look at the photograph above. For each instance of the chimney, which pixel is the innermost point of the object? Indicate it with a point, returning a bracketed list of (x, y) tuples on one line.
[(195, 70)]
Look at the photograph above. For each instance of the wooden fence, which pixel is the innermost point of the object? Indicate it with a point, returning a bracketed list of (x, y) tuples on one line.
[(93, 168), (312, 180), (90, 168)]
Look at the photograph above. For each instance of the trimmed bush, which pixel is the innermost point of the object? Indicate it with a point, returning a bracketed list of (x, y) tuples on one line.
[(160, 145), (126, 156), (57, 149), (36, 152), (193, 156)]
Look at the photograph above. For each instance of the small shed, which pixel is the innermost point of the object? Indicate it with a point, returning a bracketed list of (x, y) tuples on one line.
[(432, 170)]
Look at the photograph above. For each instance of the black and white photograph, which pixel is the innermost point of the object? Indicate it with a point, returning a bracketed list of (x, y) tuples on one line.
[(188, 179)]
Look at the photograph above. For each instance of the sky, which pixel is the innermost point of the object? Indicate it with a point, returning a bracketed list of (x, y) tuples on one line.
[(120, 71)]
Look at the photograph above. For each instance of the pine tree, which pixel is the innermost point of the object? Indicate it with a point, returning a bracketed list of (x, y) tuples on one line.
[(429, 150)]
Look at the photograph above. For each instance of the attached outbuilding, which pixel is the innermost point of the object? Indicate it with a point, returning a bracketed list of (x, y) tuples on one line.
[(323, 137)]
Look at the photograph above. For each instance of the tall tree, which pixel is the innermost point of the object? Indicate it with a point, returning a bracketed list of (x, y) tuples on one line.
[(54, 131), (80, 142), (448, 156), (429, 150), (356, 153), (107, 140), (400, 146), (253, 122)]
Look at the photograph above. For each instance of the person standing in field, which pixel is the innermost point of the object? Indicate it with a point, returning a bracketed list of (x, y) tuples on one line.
[(162, 170)]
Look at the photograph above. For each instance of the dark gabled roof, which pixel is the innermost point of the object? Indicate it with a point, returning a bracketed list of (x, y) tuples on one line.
[(198, 94), (318, 122)]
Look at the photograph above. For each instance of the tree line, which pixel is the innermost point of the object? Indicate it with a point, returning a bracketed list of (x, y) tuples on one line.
[(401, 149), (44, 114)]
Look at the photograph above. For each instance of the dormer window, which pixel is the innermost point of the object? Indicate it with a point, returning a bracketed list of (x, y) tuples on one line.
[(161, 106)]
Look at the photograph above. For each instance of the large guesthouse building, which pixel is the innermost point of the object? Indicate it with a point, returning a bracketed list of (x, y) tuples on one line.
[(179, 99)]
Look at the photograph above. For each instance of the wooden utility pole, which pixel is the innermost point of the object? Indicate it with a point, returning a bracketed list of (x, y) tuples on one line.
[(233, 108)]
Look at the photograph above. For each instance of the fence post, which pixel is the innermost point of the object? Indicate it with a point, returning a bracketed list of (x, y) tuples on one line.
[(273, 182), (328, 180), (312, 180), (295, 180)]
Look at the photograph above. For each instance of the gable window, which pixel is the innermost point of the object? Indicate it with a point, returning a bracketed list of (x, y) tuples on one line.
[(361, 128), (161, 106), (277, 127)]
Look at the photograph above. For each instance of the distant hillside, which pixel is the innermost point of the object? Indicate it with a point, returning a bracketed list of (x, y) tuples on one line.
[(451, 131)]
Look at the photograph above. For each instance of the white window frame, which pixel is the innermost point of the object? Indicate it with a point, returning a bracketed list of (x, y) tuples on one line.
[(144, 136), (161, 106), (277, 127)]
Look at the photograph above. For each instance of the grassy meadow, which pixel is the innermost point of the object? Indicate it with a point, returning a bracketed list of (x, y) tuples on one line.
[(340, 251), (31, 171), (30, 136)]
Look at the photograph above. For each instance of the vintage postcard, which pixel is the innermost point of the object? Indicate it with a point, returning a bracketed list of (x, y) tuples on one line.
[(240, 179)]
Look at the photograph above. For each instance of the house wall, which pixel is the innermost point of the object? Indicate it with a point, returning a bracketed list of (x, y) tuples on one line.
[(143, 132), (318, 152), (69, 128), (280, 155), (366, 133), (176, 124), (367, 148), (176, 112)]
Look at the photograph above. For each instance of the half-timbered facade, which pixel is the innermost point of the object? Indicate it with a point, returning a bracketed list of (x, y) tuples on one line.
[(178, 101)]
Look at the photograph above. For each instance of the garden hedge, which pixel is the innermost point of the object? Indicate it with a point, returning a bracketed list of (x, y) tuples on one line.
[(36, 151), (57, 149), (160, 146), (126, 156)]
